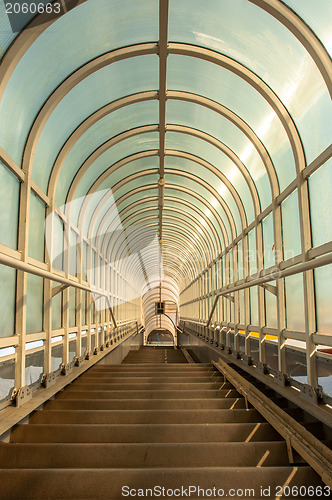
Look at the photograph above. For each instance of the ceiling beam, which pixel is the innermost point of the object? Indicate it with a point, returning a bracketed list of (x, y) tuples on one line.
[(162, 52)]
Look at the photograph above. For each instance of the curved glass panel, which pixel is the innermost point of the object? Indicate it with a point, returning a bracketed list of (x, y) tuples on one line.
[(113, 219), (214, 124), (212, 81), (291, 226), (169, 208), (24, 97), (138, 217), (12, 21), (318, 16), (202, 149), (9, 207), (193, 186), (7, 301), (257, 40), (105, 190), (181, 196), (295, 303), (127, 118), (202, 175), (34, 301), (323, 293), (197, 232), (37, 229), (320, 194), (138, 143), (268, 242)]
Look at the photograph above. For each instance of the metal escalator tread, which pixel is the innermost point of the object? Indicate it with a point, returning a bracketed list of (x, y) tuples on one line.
[(145, 424)]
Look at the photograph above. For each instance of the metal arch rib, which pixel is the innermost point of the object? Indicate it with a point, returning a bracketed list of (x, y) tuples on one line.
[(99, 181), (100, 230), (67, 85), (112, 227), (277, 9), (181, 189), (217, 173), (179, 154), (174, 48), (136, 227), (102, 149), (171, 128), (258, 84), (180, 248), (207, 249), (229, 153), (84, 127), (104, 176), (154, 128)]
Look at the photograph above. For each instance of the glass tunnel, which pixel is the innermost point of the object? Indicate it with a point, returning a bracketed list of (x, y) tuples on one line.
[(166, 156), (165, 167)]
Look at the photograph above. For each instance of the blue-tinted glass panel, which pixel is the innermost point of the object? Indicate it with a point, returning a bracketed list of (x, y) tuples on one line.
[(254, 306), (201, 118), (323, 291), (271, 308), (58, 242), (250, 35), (196, 187), (37, 228), (320, 192), (268, 240), (56, 310), (72, 306), (202, 149), (82, 34), (7, 300), (318, 16), (73, 252), (252, 257), (113, 124), (291, 226), (295, 303), (9, 207), (35, 300)]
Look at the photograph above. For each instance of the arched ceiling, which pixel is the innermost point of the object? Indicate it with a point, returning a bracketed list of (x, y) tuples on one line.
[(162, 129)]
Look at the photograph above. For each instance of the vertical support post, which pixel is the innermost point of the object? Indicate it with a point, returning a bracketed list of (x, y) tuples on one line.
[(65, 340), (308, 276), (88, 321), (21, 280), (236, 302), (228, 303), (281, 301), (245, 249), (47, 322), (79, 324), (261, 293)]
